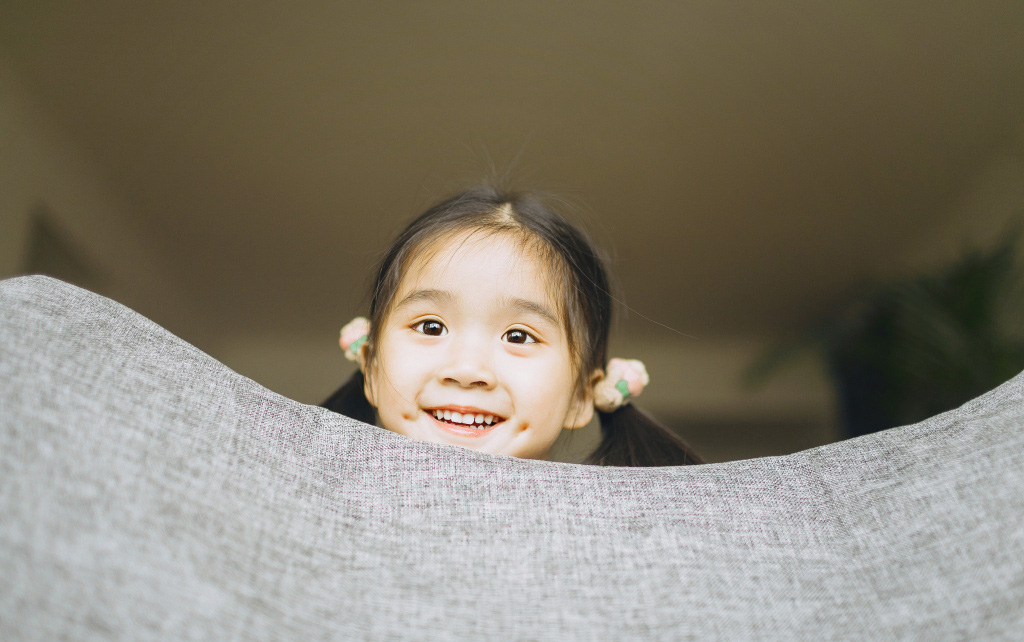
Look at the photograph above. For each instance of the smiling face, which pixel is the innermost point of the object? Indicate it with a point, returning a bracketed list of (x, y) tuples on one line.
[(473, 352)]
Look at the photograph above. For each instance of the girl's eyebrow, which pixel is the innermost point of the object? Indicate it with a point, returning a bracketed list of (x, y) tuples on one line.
[(435, 296), (509, 302), (524, 305)]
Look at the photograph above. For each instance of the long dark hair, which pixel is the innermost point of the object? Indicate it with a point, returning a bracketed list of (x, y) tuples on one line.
[(629, 436)]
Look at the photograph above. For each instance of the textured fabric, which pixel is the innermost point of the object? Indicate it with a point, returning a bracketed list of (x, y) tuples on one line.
[(149, 492)]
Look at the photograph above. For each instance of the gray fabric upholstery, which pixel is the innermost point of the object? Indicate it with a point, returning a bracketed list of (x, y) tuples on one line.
[(149, 492)]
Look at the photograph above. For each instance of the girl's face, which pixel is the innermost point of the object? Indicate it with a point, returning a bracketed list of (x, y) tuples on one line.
[(473, 352)]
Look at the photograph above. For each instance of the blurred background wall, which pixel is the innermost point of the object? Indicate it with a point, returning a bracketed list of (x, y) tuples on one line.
[(231, 170)]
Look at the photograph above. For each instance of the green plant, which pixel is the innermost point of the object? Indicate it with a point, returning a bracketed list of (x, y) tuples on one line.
[(903, 351)]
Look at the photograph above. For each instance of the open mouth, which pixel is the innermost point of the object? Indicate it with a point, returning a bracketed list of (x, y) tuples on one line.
[(470, 420)]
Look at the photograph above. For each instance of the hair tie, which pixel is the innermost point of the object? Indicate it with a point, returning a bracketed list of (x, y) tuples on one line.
[(353, 339), (623, 380)]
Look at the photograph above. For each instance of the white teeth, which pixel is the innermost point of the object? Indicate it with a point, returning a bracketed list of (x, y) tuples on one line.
[(467, 419)]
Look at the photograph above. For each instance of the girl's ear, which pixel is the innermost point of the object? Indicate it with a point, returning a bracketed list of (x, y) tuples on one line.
[(582, 410), (368, 386)]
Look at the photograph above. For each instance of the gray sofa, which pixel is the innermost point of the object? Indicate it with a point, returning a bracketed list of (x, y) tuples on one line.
[(149, 492)]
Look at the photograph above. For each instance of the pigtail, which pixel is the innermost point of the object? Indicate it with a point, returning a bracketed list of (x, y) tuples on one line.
[(350, 400), (631, 437)]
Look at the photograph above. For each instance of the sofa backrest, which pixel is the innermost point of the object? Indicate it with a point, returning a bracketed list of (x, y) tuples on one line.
[(149, 492)]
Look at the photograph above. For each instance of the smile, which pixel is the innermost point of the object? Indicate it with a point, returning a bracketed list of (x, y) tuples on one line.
[(465, 421)]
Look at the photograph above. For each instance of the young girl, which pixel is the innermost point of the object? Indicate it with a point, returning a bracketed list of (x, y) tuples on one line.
[(488, 329)]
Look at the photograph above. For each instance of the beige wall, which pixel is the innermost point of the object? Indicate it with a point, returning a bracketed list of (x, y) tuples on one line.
[(42, 173)]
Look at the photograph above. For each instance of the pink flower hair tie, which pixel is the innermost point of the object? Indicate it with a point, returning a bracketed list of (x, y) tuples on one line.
[(624, 379), (353, 339)]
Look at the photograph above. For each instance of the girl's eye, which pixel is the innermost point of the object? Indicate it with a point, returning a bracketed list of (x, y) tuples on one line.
[(431, 328), (519, 336)]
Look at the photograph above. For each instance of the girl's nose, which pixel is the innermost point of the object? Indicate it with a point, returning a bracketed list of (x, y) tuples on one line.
[(468, 365)]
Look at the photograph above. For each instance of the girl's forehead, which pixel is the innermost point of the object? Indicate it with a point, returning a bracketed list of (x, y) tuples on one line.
[(481, 264)]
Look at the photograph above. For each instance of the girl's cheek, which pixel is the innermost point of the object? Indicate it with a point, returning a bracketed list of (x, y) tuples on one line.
[(537, 377), (416, 360)]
